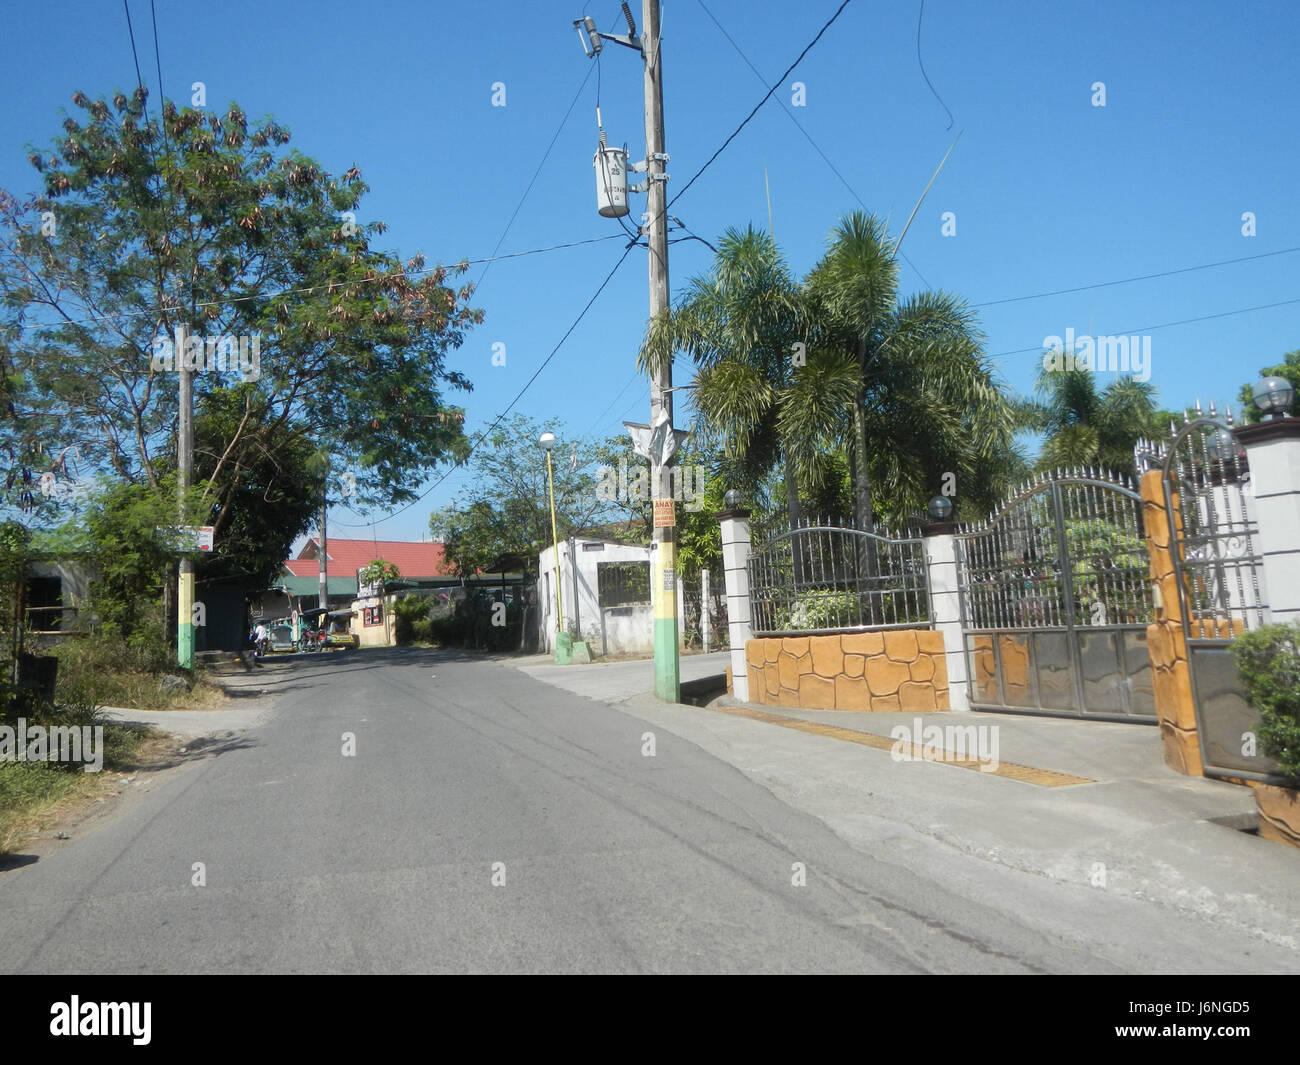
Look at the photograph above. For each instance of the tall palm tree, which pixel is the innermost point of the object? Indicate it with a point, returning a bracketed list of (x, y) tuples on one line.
[(913, 391), (740, 324)]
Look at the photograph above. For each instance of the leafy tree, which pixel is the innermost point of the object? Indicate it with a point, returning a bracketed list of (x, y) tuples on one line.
[(378, 572), (701, 473), (1288, 368), (506, 509), (208, 223)]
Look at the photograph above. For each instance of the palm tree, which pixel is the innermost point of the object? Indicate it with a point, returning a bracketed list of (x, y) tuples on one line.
[(1087, 427), (740, 324), (906, 383)]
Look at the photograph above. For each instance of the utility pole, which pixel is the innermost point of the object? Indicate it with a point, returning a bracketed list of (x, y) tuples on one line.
[(185, 469), (657, 441), (322, 554), (664, 567)]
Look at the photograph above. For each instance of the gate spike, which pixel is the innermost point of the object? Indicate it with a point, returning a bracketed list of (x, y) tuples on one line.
[(1213, 412)]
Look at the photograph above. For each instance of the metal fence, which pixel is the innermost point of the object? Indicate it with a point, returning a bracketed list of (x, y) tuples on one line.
[(1067, 550), (833, 578)]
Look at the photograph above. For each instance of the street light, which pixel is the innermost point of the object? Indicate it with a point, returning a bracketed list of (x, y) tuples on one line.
[(939, 508), (731, 499), (1224, 446), (547, 440), (1273, 395)]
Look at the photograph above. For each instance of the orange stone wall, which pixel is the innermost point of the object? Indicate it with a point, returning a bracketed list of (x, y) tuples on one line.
[(1015, 669), (898, 669), (1170, 675)]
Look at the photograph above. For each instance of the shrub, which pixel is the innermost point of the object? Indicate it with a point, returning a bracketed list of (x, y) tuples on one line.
[(407, 613), (1268, 660)]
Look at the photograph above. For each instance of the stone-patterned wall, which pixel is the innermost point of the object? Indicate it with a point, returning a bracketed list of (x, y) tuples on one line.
[(1171, 678), (1015, 669), (899, 669)]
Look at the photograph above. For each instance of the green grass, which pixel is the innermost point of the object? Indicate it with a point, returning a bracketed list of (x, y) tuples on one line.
[(115, 672), (30, 790)]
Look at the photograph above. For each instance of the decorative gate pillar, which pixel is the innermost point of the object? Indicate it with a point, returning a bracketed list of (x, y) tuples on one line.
[(735, 565), (1171, 678), (945, 605), (1273, 452)]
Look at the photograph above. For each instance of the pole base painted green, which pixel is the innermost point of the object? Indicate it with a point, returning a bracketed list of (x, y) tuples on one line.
[(563, 648), (185, 645), (667, 665)]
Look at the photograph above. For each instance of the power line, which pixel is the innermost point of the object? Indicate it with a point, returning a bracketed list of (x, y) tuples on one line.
[(1164, 325), (1142, 277), (139, 80), (921, 64), (800, 127), (766, 96), (518, 396), (339, 284)]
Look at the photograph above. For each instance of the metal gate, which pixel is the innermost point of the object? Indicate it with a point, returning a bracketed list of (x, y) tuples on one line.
[(1219, 572), (1055, 601)]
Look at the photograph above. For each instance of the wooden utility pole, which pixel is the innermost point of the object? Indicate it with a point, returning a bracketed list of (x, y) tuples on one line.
[(664, 567)]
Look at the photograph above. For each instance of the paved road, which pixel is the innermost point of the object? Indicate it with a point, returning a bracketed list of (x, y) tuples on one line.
[(612, 861)]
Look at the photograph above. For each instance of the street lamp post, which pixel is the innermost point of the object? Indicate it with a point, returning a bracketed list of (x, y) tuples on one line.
[(563, 648)]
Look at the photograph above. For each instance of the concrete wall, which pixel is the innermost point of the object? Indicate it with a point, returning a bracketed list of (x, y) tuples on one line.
[(374, 635), (898, 669), (611, 630)]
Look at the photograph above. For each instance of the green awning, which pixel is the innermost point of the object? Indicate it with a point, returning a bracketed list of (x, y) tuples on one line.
[(301, 586)]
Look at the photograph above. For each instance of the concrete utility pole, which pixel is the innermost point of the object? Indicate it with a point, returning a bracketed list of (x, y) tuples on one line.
[(322, 556), (664, 567), (185, 470)]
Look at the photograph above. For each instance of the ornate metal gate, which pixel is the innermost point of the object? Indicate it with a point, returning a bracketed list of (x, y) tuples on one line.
[(1208, 493), (1055, 601)]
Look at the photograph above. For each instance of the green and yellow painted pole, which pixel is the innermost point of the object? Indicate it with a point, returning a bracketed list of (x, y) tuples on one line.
[(664, 575), (185, 463)]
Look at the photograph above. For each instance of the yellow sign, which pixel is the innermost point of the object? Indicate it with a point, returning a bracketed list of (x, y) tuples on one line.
[(665, 514)]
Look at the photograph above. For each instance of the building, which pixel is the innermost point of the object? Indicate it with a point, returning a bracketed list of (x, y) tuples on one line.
[(605, 593)]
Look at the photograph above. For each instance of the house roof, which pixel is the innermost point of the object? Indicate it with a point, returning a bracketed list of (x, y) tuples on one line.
[(413, 560)]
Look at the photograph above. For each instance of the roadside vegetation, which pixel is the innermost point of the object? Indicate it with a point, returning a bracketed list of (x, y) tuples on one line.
[(32, 793)]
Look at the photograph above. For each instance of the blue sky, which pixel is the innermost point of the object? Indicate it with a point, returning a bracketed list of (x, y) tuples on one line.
[(1049, 192)]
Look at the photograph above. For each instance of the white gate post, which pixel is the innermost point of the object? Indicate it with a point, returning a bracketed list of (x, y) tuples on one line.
[(735, 567), (1273, 452), (945, 605), (704, 609)]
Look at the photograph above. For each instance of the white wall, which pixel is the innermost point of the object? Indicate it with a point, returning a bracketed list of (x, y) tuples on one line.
[(617, 630)]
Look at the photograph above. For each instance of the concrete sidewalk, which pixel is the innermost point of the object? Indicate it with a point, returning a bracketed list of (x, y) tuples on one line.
[(1129, 825), (612, 682)]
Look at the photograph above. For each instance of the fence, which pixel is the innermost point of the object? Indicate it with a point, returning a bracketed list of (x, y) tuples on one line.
[(834, 578)]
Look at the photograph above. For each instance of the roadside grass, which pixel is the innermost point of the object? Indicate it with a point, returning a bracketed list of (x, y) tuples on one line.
[(33, 794), (110, 672)]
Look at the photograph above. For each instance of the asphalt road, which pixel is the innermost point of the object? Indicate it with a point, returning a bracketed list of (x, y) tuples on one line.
[(609, 860)]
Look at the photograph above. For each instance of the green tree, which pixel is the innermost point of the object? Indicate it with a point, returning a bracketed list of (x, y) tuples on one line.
[(1288, 368), (212, 224), (740, 324), (505, 508), (1084, 426), (906, 382)]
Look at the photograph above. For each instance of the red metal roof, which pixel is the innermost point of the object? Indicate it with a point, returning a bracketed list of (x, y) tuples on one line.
[(348, 556)]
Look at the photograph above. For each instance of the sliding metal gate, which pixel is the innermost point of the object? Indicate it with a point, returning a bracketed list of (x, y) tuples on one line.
[(1055, 601)]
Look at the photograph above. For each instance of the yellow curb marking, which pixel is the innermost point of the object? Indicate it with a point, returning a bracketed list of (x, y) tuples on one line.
[(1044, 778)]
